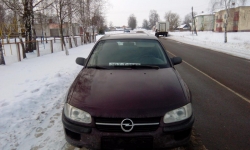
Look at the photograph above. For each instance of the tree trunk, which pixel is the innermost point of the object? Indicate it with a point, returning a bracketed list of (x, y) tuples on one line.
[(225, 40), (32, 26), (2, 62), (62, 40), (93, 39), (61, 35), (71, 33), (225, 26), (20, 37), (25, 18)]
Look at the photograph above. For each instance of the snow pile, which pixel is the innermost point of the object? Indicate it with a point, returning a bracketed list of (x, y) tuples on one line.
[(238, 42)]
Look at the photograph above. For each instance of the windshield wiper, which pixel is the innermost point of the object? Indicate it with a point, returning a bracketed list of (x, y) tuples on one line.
[(96, 67), (138, 67)]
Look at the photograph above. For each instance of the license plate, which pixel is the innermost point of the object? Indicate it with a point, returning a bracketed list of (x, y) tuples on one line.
[(127, 142)]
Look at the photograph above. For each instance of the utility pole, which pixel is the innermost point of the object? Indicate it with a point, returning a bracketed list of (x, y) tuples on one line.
[(194, 22)]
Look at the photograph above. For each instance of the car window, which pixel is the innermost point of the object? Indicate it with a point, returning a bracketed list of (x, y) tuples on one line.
[(110, 53)]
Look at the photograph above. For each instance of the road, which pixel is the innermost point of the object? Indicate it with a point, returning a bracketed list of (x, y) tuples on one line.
[(220, 86)]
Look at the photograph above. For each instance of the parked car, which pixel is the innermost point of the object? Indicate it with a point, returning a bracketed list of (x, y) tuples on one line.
[(139, 32), (128, 96), (126, 31)]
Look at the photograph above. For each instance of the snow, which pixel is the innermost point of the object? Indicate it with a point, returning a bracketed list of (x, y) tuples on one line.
[(204, 14), (32, 97), (238, 42), (32, 91), (181, 26)]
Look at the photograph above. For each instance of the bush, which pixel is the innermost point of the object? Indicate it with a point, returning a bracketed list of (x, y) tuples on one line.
[(101, 31)]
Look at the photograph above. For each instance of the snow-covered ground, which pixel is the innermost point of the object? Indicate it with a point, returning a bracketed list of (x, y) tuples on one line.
[(31, 99), (238, 42), (32, 91)]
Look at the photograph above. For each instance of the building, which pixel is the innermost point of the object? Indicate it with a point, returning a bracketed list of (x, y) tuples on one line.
[(52, 29), (204, 22), (238, 20), (184, 27)]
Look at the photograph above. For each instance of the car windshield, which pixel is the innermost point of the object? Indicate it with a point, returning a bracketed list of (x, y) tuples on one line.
[(128, 53)]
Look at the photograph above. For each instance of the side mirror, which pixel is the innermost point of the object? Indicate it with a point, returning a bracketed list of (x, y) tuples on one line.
[(80, 61), (176, 60)]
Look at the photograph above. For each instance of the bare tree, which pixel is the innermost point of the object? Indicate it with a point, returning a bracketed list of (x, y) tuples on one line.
[(227, 5), (42, 17), (24, 10), (91, 16), (81, 13), (2, 21), (70, 15), (145, 24), (97, 19), (61, 8), (173, 19), (188, 18), (153, 18), (110, 24), (132, 21), (18, 10), (2, 14)]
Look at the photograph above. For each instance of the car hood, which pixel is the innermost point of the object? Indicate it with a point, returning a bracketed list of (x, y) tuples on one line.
[(127, 93)]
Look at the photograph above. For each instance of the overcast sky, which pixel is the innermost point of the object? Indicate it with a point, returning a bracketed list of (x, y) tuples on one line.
[(118, 11)]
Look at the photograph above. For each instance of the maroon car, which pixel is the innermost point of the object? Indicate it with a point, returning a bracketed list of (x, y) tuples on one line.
[(128, 96)]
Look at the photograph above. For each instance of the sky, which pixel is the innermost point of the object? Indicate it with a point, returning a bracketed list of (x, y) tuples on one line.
[(119, 10)]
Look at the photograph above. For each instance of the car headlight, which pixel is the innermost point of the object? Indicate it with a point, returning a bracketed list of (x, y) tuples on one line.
[(76, 114), (178, 114)]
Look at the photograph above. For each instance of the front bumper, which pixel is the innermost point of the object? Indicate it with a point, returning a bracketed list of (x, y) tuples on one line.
[(164, 137)]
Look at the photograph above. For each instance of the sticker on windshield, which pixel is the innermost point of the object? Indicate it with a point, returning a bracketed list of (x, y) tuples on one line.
[(123, 64)]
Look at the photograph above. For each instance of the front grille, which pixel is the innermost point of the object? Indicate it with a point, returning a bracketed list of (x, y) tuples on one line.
[(140, 124)]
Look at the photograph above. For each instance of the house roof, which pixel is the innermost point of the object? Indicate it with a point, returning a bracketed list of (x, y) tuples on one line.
[(204, 14), (181, 26), (223, 9)]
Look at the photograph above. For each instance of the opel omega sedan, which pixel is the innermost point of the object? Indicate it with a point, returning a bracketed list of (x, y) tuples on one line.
[(128, 96)]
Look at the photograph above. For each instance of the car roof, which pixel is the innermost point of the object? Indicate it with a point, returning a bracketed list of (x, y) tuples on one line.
[(128, 36)]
